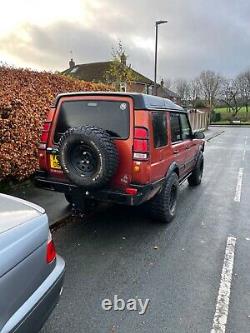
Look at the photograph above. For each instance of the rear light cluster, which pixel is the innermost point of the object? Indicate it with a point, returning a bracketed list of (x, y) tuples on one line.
[(141, 144), (46, 130), (51, 250), (131, 191)]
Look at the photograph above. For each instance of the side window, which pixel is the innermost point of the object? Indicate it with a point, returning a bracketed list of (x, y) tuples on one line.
[(159, 122), (185, 127), (175, 127)]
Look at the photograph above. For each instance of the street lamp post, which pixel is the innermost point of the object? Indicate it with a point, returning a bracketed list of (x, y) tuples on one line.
[(157, 23)]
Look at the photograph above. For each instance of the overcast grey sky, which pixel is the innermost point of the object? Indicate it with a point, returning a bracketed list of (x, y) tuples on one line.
[(200, 34)]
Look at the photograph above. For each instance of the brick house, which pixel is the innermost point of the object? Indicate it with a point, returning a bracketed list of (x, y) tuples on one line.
[(162, 91), (96, 72)]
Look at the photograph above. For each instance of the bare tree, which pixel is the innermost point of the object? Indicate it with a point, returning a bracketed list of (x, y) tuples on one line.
[(230, 95), (210, 84), (194, 92), (243, 83), (167, 83), (119, 73), (182, 90)]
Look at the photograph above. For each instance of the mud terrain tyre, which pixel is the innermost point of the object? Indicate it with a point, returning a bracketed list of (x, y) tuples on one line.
[(163, 205), (196, 176), (69, 198), (88, 156)]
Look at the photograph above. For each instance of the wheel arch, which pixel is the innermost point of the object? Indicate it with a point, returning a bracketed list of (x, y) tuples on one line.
[(173, 168)]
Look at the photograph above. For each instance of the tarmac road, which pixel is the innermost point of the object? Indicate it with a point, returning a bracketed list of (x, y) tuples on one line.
[(120, 251)]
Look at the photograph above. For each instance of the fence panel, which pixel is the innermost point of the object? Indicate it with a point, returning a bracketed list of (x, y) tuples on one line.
[(199, 120)]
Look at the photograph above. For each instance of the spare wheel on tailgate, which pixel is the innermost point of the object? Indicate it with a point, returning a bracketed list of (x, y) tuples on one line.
[(88, 156)]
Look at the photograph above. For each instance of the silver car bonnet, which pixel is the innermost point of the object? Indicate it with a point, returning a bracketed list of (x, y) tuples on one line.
[(14, 212)]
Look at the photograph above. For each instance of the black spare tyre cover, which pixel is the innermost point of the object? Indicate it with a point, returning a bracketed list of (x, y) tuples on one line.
[(88, 156)]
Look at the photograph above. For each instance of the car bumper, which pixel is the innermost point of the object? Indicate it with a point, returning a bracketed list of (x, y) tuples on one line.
[(32, 315), (144, 192)]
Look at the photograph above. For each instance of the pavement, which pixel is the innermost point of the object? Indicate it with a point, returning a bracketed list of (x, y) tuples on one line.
[(54, 203), (187, 269)]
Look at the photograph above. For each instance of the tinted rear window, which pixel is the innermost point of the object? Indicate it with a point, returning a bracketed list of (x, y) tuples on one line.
[(160, 128), (175, 127), (112, 116)]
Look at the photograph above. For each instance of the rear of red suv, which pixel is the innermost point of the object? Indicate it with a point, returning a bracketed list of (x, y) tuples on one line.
[(113, 114), (101, 147)]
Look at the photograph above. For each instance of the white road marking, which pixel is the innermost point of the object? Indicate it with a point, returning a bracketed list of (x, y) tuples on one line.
[(238, 186), (223, 299), (244, 154)]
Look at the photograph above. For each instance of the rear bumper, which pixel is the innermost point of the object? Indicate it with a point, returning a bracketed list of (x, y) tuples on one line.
[(144, 192), (32, 315)]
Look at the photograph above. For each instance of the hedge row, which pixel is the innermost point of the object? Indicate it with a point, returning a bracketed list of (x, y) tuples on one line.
[(25, 98)]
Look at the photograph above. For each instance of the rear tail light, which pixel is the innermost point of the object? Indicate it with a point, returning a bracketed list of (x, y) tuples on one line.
[(141, 144), (44, 139), (45, 132), (131, 190), (51, 250), (46, 128)]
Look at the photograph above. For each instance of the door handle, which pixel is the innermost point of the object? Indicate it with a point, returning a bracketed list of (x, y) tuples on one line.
[(176, 151), (188, 147)]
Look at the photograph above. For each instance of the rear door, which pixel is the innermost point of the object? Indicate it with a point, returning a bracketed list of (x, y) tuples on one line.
[(160, 145), (111, 113), (186, 133), (178, 145)]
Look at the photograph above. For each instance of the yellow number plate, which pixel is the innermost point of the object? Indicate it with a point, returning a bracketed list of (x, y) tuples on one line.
[(54, 162)]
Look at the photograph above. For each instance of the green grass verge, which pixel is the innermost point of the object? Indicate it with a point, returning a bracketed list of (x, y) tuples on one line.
[(229, 123), (226, 116), (225, 110)]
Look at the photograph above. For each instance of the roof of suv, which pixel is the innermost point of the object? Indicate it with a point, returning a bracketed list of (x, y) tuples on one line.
[(141, 101)]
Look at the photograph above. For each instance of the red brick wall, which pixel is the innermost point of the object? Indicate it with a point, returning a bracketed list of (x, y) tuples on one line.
[(136, 87)]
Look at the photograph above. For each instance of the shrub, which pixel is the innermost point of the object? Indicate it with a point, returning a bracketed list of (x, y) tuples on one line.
[(215, 116), (25, 99), (199, 104)]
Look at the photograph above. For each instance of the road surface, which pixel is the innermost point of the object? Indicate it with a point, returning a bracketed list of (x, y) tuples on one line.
[(178, 267)]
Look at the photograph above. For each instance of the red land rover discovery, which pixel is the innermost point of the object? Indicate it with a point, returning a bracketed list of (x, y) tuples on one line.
[(124, 148)]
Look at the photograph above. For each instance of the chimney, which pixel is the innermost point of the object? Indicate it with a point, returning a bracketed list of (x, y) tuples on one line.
[(162, 83), (72, 63), (124, 59)]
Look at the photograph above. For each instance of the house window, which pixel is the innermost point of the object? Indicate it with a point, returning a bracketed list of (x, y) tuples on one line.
[(150, 90), (123, 86)]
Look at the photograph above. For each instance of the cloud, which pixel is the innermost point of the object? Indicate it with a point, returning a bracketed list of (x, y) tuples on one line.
[(50, 47), (200, 35)]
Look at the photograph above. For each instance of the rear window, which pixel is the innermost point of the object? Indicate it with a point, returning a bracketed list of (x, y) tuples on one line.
[(112, 116), (175, 127), (159, 120)]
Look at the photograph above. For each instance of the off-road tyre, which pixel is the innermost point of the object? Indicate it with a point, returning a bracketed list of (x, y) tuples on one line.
[(195, 178), (163, 206), (88, 156), (69, 198)]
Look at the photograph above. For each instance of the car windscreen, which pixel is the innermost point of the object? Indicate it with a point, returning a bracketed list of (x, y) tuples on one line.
[(112, 116)]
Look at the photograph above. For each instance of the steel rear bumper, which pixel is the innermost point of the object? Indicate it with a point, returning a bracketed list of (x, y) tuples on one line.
[(144, 192)]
